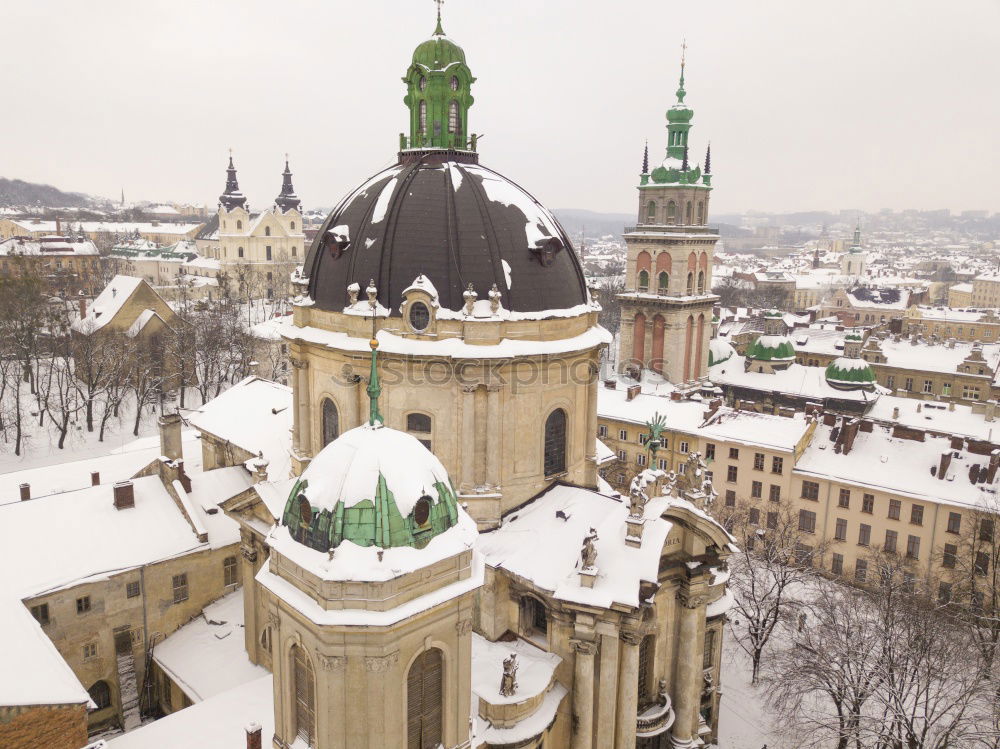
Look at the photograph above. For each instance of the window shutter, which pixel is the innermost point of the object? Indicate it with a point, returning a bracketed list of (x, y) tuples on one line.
[(425, 695)]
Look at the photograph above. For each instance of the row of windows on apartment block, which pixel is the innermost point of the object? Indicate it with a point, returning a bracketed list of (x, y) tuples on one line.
[(944, 593), (969, 392), (683, 446), (133, 589), (268, 255)]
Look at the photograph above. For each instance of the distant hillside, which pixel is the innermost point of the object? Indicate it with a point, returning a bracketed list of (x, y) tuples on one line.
[(16, 192), (574, 220)]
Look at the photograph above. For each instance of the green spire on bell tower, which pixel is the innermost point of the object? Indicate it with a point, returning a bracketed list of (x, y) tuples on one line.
[(374, 386), (679, 118), (438, 95)]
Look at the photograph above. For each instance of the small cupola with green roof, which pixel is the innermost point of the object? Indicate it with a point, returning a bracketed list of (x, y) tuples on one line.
[(772, 351), (439, 95)]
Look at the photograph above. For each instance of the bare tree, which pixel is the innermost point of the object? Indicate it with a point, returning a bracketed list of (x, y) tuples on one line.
[(775, 560), (607, 295), (145, 376)]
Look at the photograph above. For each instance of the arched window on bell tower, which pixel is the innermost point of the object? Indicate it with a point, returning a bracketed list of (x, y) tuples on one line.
[(701, 212), (454, 124), (422, 126), (701, 282), (651, 212), (644, 280), (425, 700), (671, 212), (304, 694), (687, 214), (689, 287), (663, 283)]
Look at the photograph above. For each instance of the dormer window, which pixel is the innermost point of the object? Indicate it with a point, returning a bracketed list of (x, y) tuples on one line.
[(420, 317)]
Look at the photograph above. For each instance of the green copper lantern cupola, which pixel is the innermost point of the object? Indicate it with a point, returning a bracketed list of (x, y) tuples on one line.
[(678, 167), (438, 95)]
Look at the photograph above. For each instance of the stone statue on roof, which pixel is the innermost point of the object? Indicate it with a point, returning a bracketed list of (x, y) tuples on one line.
[(589, 554), (508, 682)]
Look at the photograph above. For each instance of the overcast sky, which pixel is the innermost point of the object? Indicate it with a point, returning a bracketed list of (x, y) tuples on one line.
[(809, 105)]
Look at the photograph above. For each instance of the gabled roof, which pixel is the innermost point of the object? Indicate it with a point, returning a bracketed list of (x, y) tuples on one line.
[(108, 303)]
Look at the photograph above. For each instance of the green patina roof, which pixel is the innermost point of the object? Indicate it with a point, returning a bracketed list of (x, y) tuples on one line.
[(724, 350), (371, 522), (765, 351), (837, 373)]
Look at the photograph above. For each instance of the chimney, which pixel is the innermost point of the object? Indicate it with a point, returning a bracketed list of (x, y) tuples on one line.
[(124, 495), (253, 735), (58, 227), (829, 419), (260, 464), (25, 492), (83, 308), (675, 396), (183, 477), (95, 478), (944, 463), (633, 390), (170, 436), (895, 412), (867, 425), (957, 443), (611, 384), (991, 473)]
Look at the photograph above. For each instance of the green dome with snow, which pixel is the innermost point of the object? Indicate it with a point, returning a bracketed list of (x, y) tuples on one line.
[(850, 374), (771, 348), (719, 350), (373, 486)]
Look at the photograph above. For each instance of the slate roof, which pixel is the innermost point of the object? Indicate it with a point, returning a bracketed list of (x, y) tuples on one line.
[(441, 214)]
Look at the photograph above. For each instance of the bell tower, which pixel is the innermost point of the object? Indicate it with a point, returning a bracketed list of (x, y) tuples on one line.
[(439, 95), (667, 304)]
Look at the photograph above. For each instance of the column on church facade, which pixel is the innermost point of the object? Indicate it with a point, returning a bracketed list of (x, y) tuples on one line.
[(688, 676), (468, 437), (628, 691), (590, 454), (583, 694), (608, 692), (496, 432)]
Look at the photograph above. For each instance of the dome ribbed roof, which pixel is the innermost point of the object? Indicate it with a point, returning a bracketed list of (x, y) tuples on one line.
[(850, 374), (771, 348), (373, 486), (719, 350), (443, 215), (437, 53)]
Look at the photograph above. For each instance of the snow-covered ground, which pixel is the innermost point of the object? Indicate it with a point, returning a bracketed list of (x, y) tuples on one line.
[(744, 719)]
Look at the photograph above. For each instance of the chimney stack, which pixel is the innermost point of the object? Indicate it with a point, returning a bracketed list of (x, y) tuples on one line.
[(943, 464), (25, 492), (253, 735), (991, 474), (83, 307), (170, 436), (95, 478), (124, 495), (633, 390)]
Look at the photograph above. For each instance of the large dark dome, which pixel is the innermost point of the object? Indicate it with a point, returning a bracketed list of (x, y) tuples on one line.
[(443, 215)]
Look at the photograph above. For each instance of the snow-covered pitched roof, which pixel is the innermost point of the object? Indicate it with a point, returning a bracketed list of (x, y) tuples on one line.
[(122, 463), (537, 544), (256, 415), (947, 418), (46, 246), (535, 670), (108, 303), (208, 655), (797, 380), (935, 357), (898, 466), (34, 672), (219, 722)]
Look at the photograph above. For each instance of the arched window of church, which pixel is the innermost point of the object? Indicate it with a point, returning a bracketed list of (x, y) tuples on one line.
[(239, 252), (454, 122), (100, 693), (690, 283), (293, 225), (671, 212), (651, 212), (423, 117), (419, 425), (293, 251), (267, 231), (662, 282), (644, 280), (304, 693), (701, 212), (331, 422), (425, 700), (701, 282), (647, 694), (687, 214), (555, 443), (239, 225)]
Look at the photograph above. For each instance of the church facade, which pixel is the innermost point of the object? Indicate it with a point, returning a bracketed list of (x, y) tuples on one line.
[(446, 527)]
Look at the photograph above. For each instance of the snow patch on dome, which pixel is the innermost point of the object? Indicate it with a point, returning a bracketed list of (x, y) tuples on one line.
[(347, 470), (384, 198)]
